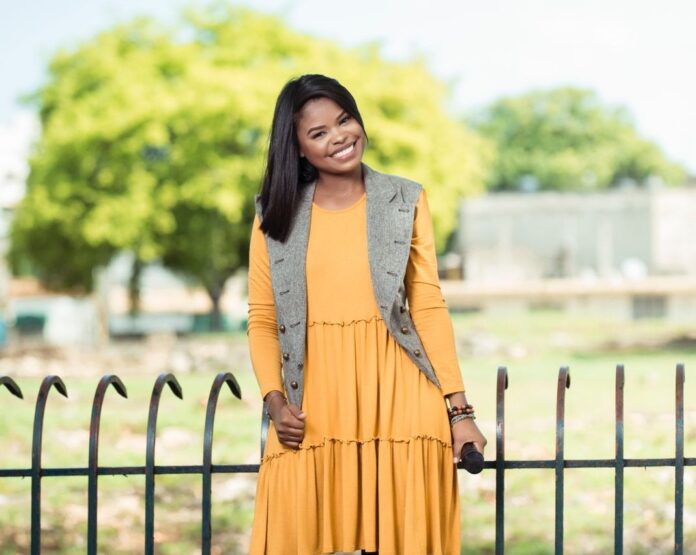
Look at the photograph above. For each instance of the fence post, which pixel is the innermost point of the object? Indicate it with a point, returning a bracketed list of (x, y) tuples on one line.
[(162, 379), (92, 479), (220, 380), (679, 463), (501, 386), (36, 445), (563, 384), (619, 460)]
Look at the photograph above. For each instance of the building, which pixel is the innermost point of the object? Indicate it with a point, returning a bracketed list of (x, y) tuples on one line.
[(632, 233), (627, 253)]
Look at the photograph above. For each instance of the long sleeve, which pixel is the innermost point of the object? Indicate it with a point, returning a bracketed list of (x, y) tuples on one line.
[(427, 305), (262, 331)]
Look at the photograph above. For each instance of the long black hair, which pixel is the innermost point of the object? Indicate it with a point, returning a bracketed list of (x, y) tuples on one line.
[(286, 171)]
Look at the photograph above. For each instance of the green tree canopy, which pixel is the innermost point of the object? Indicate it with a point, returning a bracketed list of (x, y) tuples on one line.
[(153, 140), (567, 139)]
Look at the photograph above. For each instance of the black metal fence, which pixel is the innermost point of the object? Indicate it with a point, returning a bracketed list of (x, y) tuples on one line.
[(37, 472)]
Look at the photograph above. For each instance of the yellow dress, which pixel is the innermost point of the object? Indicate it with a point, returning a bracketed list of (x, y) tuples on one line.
[(375, 469)]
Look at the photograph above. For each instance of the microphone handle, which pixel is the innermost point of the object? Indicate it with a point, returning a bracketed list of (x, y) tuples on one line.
[(471, 458)]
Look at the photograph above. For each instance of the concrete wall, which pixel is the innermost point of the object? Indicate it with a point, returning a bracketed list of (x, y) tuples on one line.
[(674, 224), (516, 236)]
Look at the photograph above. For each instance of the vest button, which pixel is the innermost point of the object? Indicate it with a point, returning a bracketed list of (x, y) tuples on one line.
[(293, 385), (286, 356), (282, 328), (404, 329), (402, 309), (417, 352)]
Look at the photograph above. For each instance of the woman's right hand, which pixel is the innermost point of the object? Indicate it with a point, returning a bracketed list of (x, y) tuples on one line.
[(288, 420)]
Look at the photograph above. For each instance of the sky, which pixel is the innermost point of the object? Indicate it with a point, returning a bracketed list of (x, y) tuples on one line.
[(638, 54)]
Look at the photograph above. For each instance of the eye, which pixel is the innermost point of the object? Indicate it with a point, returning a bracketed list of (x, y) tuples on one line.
[(345, 118), (316, 136)]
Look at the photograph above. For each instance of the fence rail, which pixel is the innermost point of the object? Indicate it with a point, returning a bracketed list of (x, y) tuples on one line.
[(37, 472)]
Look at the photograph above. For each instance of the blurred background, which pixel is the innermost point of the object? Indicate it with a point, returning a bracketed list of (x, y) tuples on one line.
[(556, 143)]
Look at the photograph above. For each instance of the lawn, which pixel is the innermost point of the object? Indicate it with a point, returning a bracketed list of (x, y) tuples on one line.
[(531, 346)]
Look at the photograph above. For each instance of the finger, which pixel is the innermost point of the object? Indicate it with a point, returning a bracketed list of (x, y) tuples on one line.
[(295, 410), (297, 437), (295, 423), (298, 417), (456, 452), (292, 439), (290, 418), (293, 436)]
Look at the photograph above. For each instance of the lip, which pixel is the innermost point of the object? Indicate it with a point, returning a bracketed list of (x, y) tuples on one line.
[(349, 155)]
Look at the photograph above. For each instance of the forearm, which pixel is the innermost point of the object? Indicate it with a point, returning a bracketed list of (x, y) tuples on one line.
[(427, 306), (264, 348), (434, 326), (457, 398)]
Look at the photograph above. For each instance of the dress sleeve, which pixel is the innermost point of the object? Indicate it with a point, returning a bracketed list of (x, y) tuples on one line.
[(427, 305), (264, 346)]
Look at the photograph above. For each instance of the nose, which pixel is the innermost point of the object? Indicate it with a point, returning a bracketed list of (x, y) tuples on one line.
[(339, 136)]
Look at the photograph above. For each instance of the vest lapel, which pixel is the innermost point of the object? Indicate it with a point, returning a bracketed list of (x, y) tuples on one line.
[(389, 230)]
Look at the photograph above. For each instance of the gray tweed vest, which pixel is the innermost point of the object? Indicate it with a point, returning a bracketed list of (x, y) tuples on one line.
[(390, 205)]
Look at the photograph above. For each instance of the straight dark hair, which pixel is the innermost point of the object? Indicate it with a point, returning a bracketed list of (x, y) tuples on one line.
[(286, 171)]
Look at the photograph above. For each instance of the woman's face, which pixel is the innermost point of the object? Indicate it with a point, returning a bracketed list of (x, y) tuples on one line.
[(329, 137)]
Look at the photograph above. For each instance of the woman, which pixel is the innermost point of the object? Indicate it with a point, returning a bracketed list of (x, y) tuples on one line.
[(361, 449)]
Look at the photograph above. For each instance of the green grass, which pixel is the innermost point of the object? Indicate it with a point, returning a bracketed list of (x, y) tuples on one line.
[(532, 347)]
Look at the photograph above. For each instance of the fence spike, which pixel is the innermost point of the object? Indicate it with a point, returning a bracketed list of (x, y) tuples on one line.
[(11, 386)]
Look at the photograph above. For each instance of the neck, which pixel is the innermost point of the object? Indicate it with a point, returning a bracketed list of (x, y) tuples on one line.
[(340, 184)]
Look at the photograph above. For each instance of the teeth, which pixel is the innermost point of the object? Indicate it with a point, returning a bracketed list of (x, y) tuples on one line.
[(344, 151)]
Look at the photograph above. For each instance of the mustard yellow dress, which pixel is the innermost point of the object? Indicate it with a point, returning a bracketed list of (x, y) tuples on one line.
[(375, 470)]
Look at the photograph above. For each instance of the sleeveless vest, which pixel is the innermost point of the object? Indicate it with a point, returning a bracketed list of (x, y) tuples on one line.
[(390, 205)]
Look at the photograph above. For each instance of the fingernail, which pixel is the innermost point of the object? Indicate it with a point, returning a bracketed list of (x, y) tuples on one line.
[(302, 414), (455, 461)]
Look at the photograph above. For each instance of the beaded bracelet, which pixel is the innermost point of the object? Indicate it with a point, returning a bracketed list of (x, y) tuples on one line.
[(461, 409), (457, 413)]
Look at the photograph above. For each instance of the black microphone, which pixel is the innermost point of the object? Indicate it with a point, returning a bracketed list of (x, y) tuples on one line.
[(471, 458)]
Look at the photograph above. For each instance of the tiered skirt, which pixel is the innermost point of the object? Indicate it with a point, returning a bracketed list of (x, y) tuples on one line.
[(374, 470)]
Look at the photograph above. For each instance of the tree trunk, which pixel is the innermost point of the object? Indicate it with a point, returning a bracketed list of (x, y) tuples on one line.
[(134, 286), (215, 294)]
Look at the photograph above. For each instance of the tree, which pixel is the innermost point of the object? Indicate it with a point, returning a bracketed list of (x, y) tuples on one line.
[(153, 141), (567, 139)]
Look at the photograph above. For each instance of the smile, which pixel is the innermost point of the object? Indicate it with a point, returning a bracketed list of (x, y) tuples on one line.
[(345, 152)]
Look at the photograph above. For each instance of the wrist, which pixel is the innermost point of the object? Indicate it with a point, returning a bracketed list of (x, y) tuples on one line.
[(274, 399), (456, 398), (273, 393)]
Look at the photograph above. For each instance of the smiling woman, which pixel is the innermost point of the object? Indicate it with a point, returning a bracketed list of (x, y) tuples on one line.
[(345, 341)]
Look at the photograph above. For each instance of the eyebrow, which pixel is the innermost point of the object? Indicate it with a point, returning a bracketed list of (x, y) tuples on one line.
[(320, 126)]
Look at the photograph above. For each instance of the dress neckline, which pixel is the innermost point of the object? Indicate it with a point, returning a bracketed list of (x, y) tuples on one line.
[(356, 203)]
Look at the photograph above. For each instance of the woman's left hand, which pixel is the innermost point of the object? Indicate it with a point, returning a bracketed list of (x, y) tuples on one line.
[(466, 431)]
